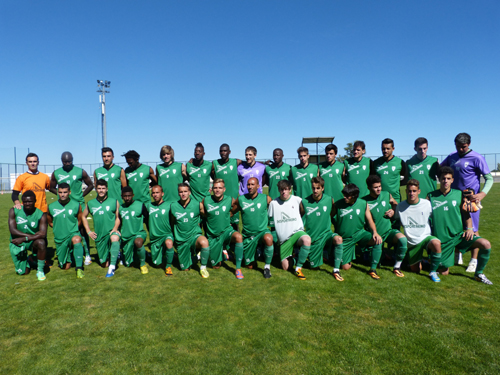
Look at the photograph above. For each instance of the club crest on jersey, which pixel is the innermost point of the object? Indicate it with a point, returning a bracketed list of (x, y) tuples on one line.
[(204, 170), (33, 224), (258, 205), (358, 211), (383, 203), (283, 173), (324, 208), (163, 212), (74, 178), (107, 208), (466, 164), (174, 171), (454, 203), (132, 213), (393, 168), (70, 211), (191, 214), (428, 167), (224, 208), (112, 175), (364, 167), (337, 171), (231, 167), (141, 174), (311, 175)]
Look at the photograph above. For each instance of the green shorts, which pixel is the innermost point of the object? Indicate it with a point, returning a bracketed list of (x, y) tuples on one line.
[(448, 249), (415, 253), (218, 243), (128, 248), (158, 248), (317, 248), (250, 246), (19, 255), (235, 219), (286, 248), (103, 247), (361, 237), (185, 251), (64, 249), (388, 237)]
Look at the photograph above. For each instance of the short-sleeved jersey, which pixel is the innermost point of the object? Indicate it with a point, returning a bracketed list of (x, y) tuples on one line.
[(446, 218), (186, 220), (425, 172), (468, 170), (36, 182), (246, 172), (138, 180), (65, 219), (275, 174), (378, 207), (112, 177), (229, 173), (28, 224), (317, 216), (332, 174), (253, 214), (132, 219), (159, 220), (286, 215), (390, 173), (199, 179), (357, 173), (104, 216), (75, 180), (301, 179), (218, 214), (169, 178), (349, 219), (415, 220)]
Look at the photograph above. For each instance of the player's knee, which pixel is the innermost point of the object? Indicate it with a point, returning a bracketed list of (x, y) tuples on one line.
[(306, 240), (39, 244), (138, 242), (115, 238), (238, 238), (346, 266), (76, 239), (203, 241), (484, 244), (338, 240), (169, 243), (444, 271), (268, 239)]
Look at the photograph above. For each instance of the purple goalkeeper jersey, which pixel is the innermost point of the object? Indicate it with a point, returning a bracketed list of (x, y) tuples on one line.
[(468, 170), (245, 172)]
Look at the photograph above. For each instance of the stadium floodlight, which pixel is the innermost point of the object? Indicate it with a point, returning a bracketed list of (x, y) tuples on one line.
[(101, 88)]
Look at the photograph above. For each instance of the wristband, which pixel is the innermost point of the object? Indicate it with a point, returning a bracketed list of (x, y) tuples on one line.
[(27, 239), (469, 228)]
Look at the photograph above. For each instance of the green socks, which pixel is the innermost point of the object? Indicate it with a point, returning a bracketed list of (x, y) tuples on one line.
[(376, 254), (482, 259), (338, 251), (142, 256), (41, 265), (401, 248), (115, 249), (435, 261), (170, 256), (268, 252), (205, 254), (238, 254), (303, 254), (78, 253)]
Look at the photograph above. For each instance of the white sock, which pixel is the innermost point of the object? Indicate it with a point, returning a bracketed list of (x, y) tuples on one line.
[(336, 270), (267, 266), (298, 268), (203, 267), (398, 264), (473, 261), (111, 268)]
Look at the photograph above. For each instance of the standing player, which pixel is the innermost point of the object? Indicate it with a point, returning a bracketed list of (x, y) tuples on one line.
[(469, 166), (65, 216), (132, 214), (253, 207), (169, 174), (316, 211), (423, 168), (275, 172), (160, 232), (414, 214), (446, 220), (113, 174), (185, 217), (358, 168), (216, 209), (104, 210), (332, 172), (302, 174), (139, 176), (391, 169), (250, 169), (382, 206), (351, 214), (32, 180), (28, 230), (285, 211), (197, 173)]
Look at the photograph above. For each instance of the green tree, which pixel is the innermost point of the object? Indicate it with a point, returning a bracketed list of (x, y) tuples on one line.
[(348, 152)]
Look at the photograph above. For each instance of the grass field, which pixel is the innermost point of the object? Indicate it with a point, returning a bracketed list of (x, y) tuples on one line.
[(148, 324)]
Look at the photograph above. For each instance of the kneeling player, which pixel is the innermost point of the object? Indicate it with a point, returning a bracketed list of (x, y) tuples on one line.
[(104, 211), (285, 211), (185, 217), (65, 216), (447, 225), (414, 214), (382, 205), (316, 210), (350, 216), (28, 229)]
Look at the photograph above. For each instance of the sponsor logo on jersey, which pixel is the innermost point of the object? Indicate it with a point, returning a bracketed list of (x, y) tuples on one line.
[(21, 220), (351, 167), (63, 177), (95, 209), (178, 215), (325, 171), (247, 205), (310, 210), (123, 213), (101, 175), (163, 171), (285, 218), (153, 209), (372, 205), (416, 167), (438, 204), (221, 168), (211, 208), (272, 174), (413, 224), (37, 188), (194, 170), (57, 211), (300, 175), (380, 167), (130, 175), (345, 211)]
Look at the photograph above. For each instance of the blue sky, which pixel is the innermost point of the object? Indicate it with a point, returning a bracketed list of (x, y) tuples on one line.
[(261, 73)]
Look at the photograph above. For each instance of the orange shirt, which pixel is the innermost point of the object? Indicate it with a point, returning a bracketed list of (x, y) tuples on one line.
[(38, 183)]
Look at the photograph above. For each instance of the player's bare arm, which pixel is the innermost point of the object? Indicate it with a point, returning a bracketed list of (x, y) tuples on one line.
[(53, 184), (80, 214), (85, 222), (390, 212), (23, 237), (235, 207), (202, 208), (117, 219), (373, 228), (302, 211), (88, 182), (152, 177)]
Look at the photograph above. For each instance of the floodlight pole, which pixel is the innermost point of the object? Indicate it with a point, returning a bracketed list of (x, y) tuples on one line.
[(101, 88)]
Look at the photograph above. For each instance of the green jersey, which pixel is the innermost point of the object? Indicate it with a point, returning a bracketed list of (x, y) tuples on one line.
[(274, 175), (357, 172), (446, 218), (104, 216), (199, 179), (378, 207), (253, 214), (186, 220), (75, 180), (301, 179), (132, 219), (218, 214), (229, 173), (425, 171), (159, 220), (112, 177), (169, 178), (65, 219), (390, 172), (332, 174), (317, 217), (349, 218), (138, 180), (28, 224)]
